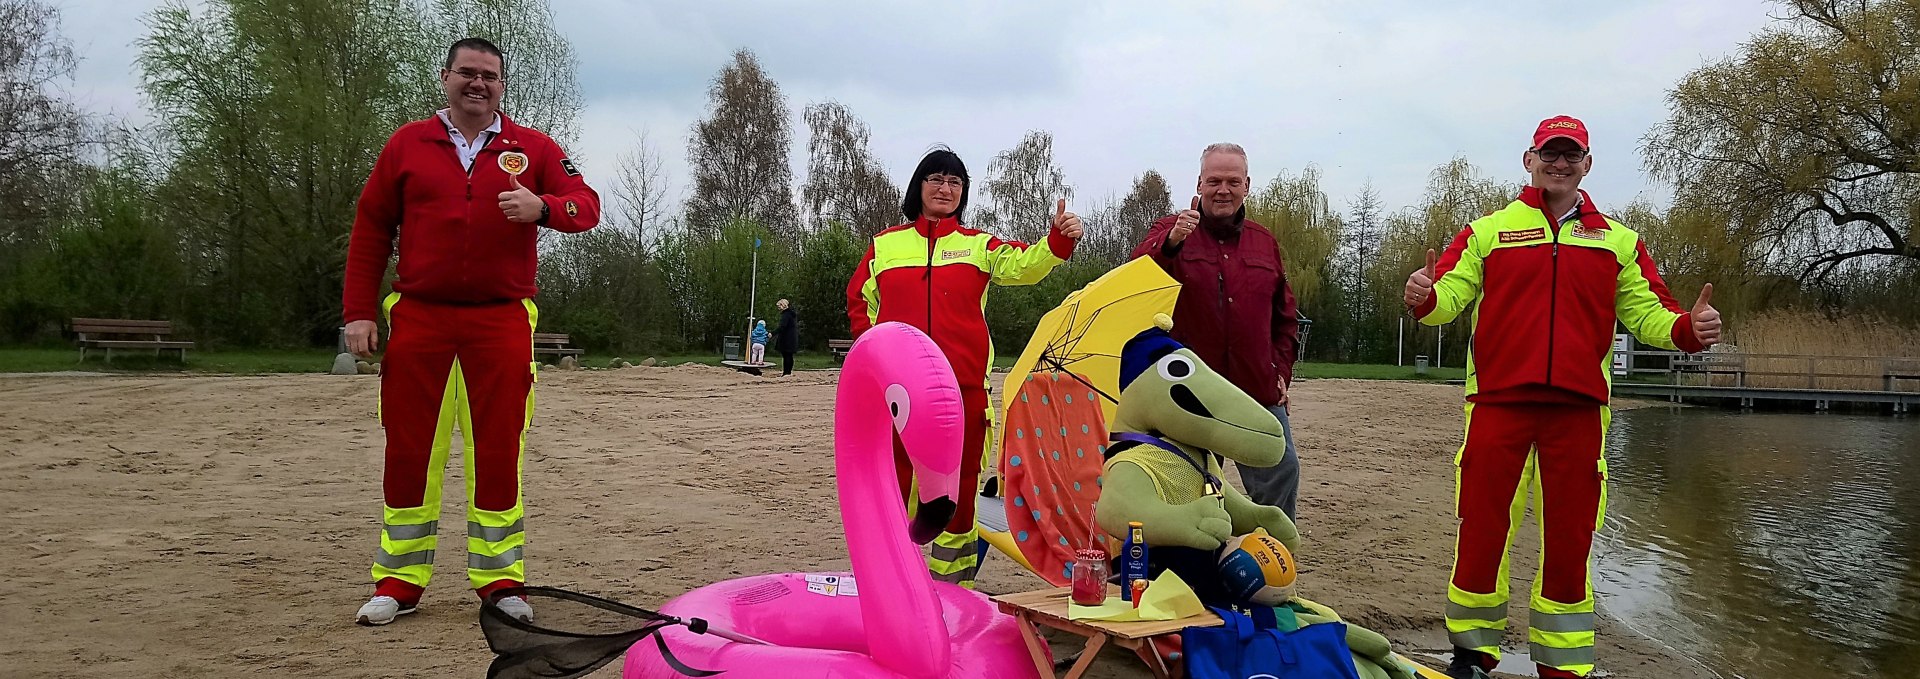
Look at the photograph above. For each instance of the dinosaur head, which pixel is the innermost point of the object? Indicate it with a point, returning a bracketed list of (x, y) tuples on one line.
[(1165, 389)]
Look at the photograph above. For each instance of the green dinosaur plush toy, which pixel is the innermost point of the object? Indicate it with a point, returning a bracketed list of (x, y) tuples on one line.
[(1175, 420)]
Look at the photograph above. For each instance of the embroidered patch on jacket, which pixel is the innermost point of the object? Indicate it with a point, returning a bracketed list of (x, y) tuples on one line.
[(1523, 236), (1581, 231), (955, 254), (572, 210), (567, 164)]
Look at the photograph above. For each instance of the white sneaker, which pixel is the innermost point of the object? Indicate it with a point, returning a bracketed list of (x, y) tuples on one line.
[(515, 607), (382, 610)]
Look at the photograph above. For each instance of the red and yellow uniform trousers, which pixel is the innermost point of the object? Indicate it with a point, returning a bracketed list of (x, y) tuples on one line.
[(448, 365), (933, 275), (1546, 293)]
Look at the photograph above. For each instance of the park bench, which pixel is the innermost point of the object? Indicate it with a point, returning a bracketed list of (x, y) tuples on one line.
[(839, 347), (554, 343), (120, 333)]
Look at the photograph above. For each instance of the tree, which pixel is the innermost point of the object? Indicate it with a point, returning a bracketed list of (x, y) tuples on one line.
[(275, 129), (1022, 185), (542, 91), (273, 113), (1146, 202), (43, 137), (844, 182), (639, 195), (1366, 229), (738, 154), (1808, 140), (42, 132), (1457, 193), (1308, 231)]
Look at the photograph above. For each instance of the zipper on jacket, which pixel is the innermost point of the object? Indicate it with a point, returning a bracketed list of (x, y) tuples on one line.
[(1553, 301)]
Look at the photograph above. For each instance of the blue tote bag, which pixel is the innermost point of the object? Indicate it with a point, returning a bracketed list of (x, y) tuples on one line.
[(1255, 648)]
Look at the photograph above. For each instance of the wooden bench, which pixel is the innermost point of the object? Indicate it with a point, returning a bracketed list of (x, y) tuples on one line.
[(839, 347), (557, 344), (120, 333)]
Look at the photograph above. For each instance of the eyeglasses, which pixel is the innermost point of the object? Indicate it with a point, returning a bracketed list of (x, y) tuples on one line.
[(946, 180), (471, 75), (1552, 156)]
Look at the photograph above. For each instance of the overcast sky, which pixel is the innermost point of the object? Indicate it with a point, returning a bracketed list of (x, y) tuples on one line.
[(1380, 90)]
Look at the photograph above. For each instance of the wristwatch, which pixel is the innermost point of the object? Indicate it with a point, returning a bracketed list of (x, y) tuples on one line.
[(544, 211)]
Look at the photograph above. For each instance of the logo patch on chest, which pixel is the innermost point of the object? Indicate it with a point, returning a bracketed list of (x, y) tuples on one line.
[(1536, 233), (947, 255), (1581, 231)]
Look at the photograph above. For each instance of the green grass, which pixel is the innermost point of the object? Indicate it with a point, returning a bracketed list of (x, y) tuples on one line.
[(1372, 371), (261, 361), (240, 362)]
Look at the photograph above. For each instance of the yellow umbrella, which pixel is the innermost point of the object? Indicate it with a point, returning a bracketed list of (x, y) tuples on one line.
[(1084, 335), (1043, 510)]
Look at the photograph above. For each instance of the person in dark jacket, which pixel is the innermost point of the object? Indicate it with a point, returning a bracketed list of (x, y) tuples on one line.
[(786, 338), (1235, 309)]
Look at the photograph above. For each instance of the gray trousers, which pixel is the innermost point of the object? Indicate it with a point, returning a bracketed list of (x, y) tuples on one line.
[(1278, 485)]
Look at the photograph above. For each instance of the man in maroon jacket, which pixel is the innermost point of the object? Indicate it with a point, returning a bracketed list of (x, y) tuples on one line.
[(466, 192), (1235, 308)]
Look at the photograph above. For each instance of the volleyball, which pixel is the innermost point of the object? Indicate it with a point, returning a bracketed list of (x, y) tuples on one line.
[(1256, 568)]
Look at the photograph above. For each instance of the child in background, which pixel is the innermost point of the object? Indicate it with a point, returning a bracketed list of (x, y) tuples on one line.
[(757, 354)]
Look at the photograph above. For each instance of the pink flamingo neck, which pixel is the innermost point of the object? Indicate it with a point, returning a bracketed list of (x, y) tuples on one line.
[(896, 594)]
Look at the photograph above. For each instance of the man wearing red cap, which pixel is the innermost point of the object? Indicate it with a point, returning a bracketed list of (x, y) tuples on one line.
[(1547, 277)]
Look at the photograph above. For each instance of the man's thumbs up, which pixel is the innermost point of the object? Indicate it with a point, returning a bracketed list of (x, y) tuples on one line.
[(519, 205), (1067, 223), (1706, 319), (1420, 282), (1184, 224)]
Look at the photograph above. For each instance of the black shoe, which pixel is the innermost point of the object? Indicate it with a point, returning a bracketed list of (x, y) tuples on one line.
[(1468, 664)]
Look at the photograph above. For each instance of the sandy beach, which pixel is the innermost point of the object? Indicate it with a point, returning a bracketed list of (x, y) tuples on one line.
[(186, 526)]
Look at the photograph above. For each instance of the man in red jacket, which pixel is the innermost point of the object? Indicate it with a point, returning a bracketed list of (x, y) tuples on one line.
[(466, 192), (1547, 276), (1235, 308)]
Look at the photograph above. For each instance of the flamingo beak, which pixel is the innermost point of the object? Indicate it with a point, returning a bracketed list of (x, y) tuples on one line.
[(930, 519)]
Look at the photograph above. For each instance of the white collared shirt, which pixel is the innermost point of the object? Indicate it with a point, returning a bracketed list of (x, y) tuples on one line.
[(469, 150)]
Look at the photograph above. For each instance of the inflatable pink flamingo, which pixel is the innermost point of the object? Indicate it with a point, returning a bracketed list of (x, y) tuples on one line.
[(900, 624)]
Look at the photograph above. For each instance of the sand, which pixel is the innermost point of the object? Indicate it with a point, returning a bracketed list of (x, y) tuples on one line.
[(223, 526)]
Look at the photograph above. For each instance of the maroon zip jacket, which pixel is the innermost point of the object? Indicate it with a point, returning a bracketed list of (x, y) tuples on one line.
[(1235, 310), (456, 246)]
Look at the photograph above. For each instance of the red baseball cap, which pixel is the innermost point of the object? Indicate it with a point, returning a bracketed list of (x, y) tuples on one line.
[(1560, 126)]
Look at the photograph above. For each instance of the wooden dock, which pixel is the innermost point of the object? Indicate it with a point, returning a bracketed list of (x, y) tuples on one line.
[(1745, 379)]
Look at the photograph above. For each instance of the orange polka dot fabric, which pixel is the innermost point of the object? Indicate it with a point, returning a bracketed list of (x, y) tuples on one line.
[(1054, 441)]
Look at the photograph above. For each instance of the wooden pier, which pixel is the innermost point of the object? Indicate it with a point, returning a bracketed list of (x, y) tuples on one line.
[(1820, 381)]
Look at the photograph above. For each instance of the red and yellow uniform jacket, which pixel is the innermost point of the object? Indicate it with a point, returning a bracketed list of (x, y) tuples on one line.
[(1545, 296), (934, 276), (456, 246)]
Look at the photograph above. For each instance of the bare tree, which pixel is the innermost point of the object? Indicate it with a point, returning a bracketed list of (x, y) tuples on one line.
[(738, 154), (41, 131), (1022, 185), (844, 182), (639, 194)]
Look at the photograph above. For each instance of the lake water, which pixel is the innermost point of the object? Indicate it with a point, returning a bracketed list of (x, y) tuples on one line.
[(1767, 545)]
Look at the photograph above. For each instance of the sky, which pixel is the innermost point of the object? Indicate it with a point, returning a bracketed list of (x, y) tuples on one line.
[(1380, 91)]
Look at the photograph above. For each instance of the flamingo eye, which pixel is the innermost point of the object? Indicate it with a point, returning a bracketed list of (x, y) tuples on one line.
[(899, 405)]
